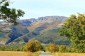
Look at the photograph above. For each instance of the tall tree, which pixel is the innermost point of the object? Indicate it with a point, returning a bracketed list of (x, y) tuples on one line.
[(74, 29), (9, 14)]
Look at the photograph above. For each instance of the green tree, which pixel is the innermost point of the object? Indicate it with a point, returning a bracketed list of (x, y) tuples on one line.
[(74, 29), (9, 14), (33, 46)]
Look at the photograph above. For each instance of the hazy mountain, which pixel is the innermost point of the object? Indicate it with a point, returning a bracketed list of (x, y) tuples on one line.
[(30, 28)]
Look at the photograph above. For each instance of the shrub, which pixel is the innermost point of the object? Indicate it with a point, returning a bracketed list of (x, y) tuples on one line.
[(52, 48), (62, 48), (33, 46), (80, 48)]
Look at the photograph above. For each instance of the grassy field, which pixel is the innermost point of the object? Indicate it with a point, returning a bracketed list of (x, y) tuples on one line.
[(17, 53), (69, 54)]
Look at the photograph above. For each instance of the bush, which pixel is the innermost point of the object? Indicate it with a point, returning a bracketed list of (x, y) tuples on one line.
[(52, 48), (78, 48), (62, 48), (33, 46)]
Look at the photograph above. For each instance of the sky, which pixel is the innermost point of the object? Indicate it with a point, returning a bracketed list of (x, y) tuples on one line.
[(39, 8)]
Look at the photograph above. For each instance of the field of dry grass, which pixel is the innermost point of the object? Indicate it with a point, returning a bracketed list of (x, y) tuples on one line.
[(69, 54), (16, 53)]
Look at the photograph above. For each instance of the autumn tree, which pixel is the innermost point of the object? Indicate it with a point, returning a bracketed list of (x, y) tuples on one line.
[(33, 46), (9, 14), (74, 29)]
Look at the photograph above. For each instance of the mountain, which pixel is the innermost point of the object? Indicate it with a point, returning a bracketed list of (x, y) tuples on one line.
[(49, 22), (32, 28)]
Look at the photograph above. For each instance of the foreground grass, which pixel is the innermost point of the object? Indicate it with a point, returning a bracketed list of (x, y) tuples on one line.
[(69, 54), (33, 54), (17, 53)]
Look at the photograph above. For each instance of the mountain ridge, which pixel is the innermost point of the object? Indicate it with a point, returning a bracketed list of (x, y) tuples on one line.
[(33, 27)]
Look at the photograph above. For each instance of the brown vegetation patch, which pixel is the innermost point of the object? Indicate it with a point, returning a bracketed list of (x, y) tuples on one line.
[(17, 53), (69, 54)]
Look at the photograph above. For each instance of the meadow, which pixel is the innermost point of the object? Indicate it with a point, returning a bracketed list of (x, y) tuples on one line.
[(18, 53), (69, 54)]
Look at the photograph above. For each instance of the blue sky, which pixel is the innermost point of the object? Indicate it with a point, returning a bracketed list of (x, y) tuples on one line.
[(38, 8)]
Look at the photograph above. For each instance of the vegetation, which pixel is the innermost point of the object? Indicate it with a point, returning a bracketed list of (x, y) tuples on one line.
[(62, 48), (33, 46), (52, 48), (12, 47), (8, 14), (15, 53), (74, 29), (69, 54)]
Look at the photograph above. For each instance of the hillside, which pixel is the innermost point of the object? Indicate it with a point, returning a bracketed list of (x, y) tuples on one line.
[(51, 36), (42, 27)]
